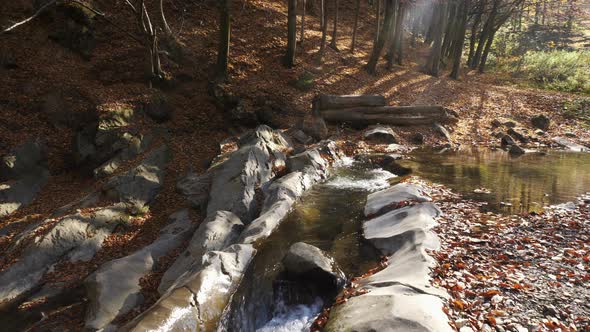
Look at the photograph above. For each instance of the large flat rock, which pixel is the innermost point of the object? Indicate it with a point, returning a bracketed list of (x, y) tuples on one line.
[(198, 304), (379, 201), (215, 233), (114, 289), (568, 144)]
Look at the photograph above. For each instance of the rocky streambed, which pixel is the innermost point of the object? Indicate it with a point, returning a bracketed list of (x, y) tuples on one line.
[(290, 231)]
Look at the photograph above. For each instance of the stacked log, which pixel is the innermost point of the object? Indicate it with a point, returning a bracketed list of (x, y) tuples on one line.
[(372, 109)]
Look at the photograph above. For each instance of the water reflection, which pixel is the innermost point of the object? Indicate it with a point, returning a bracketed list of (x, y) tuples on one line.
[(517, 184)]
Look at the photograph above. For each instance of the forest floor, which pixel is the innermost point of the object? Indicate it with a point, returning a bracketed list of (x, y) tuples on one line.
[(49, 92)]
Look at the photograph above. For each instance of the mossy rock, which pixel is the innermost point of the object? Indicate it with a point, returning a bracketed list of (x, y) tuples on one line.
[(304, 82)]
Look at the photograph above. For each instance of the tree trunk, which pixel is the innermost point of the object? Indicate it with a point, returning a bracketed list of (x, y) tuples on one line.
[(392, 115), (435, 54), (392, 34), (378, 21), (302, 37), (487, 32), (356, 23), (378, 46), (484, 57), (324, 12), (335, 29), (224, 38), (399, 33), (291, 33), (473, 37), (458, 48)]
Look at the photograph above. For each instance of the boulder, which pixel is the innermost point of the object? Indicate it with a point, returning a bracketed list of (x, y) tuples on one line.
[(442, 131), (315, 126), (390, 231), (519, 134), (300, 136), (417, 138), (569, 145), (195, 188), (134, 145), (260, 155), (25, 171), (197, 305), (114, 289), (214, 233), (382, 201), (516, 150), (540, 121), (74, 237), (139, 186), (309, 263), (507, 140), (381, 134)]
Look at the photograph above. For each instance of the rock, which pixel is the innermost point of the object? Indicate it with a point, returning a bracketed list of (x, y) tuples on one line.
[(114, 289), (76, 28), (516, 150), (159, 109), (380, 134), (382, 201), (496, 123), (24, 160), (195, 188), (509, 124), (390, 231), (497, 134), (417, 138), (518, 133), (304, 159), (26, 171), (304, 261), (540, 121), (564, 142), (300, 136), (443, 132), (570, 134), (232, 106), (507, 140), (214, 233), (395, 168), (138, 187), (199, 303), (260, 155), (539, 132), (75, 237), (134, 146), (315, 126)]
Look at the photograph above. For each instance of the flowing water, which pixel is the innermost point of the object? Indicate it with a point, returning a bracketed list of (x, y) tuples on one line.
[(329, 217), (509, 184)]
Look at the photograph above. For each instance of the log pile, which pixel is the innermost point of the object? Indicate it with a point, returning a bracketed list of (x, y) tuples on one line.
[(373, 109)]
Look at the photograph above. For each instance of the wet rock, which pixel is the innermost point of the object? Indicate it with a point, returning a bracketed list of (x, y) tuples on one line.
[(383, 201), (519, 134), (195, 188), (158, 108), (395, 168), (442, 131), (260, 155), (381, 134), (75, 237), (569, 145), (307, 262), (139, 186), (198, 304), (507, 140), (540, 121), (307, 158), (391, 231), (114, 289), (516, 150), (214, 233), (417, 138)]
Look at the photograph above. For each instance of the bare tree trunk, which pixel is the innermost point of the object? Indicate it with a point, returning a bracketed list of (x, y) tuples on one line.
[(291, 33), (378, 46), (435, 53), (389, 56), (302, 24), (488, 30), (324, 31), (356, 24), (473, 37), (458, 47), (399, 33), (484, 57), (335, 29), (163, 17), (378, 20), (224, 38)]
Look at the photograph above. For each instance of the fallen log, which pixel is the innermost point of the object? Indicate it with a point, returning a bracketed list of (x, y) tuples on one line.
[(325, 102), (392, 115)]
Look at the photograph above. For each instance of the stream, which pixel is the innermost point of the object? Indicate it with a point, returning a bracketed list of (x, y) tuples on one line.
[(329, 216)]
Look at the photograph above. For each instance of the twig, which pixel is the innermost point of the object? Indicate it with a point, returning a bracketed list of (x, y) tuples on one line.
[(45, 6)]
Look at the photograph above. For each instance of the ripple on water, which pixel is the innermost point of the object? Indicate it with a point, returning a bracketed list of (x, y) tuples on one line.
[(377, 180), (294, 318)]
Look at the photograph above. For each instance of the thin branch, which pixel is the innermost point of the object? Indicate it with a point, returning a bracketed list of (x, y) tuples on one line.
[(45, 6)]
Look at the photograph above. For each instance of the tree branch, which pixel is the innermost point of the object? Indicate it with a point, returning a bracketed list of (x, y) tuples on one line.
[(16, 25)]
